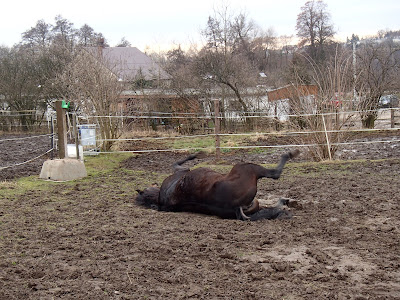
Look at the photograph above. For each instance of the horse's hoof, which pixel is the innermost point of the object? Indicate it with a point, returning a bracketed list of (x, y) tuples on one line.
[(283, 202)]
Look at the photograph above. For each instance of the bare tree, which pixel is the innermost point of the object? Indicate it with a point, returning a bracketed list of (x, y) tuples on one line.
[(314, 27), (262, 47), (64, 32), (87, 37), (20, 84), (224, 61), (180, 66), (40, 35), (123, 43), (90, 82), (378, 66), (324, 114)]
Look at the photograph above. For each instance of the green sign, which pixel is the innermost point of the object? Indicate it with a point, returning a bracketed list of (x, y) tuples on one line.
[(64, 104)]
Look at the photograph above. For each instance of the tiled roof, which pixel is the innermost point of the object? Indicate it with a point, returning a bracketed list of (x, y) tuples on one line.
[(129, 62)]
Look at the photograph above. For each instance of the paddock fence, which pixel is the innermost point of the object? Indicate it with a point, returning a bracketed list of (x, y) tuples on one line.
[(141, 128), (162, 132)]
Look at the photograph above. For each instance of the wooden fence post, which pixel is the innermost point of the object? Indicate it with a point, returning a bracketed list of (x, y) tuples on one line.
[(392, 123), (61, 130), (327, 138), (217, 130)]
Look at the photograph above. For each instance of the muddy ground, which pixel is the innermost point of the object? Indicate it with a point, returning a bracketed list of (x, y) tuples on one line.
[(87, 239)]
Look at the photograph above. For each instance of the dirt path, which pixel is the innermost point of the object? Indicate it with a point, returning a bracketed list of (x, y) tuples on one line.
[(88, 240)]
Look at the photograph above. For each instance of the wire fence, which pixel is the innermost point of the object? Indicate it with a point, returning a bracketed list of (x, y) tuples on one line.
[(387, 121), (24, 121), (16, 151)]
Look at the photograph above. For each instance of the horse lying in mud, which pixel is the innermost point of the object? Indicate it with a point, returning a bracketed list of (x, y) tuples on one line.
[(203, 190)]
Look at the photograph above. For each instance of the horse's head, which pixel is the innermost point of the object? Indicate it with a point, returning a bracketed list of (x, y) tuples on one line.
[(148, 197)]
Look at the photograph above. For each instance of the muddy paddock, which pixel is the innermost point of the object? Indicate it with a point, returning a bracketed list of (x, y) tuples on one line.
[(86, 239)]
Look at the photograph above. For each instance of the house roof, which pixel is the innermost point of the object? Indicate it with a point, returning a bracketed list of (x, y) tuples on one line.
[(290, 91), (129, 63)]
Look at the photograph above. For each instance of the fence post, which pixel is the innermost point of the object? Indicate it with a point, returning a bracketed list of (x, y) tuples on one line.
[(392, 118), (61, 130), (217, 130), (327, 138)]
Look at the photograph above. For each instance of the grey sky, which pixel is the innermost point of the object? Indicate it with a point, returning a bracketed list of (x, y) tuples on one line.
[(158, 23)]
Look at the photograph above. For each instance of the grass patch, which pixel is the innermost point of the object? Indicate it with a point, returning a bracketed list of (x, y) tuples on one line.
[(96, 166), (316, 169), (200, 143), (103, 162), (22, 185), (208, 143)]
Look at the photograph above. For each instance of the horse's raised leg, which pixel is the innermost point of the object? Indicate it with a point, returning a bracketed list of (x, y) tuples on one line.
[(178, 165), (276, 173)]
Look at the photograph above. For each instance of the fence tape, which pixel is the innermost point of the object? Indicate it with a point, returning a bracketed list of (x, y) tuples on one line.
[(27, 137), (28, 161), (281, 133), (245, 147), (241, 114)]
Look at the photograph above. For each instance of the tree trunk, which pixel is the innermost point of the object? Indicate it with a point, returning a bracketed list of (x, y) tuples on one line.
[(369, 121), (249, 123)]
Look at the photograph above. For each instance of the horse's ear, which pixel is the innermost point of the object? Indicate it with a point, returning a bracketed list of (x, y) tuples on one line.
[(139, 192)]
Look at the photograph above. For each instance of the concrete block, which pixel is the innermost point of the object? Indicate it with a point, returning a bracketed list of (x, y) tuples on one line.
[(63, 169)]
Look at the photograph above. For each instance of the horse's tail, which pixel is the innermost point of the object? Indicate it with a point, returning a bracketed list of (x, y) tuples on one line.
[(177, 166), (148, 197)]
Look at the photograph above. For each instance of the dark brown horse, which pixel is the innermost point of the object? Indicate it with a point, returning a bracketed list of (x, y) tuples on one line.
[(203, 190)]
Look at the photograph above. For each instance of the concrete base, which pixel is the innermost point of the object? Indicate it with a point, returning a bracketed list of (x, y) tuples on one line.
[(63, 169)]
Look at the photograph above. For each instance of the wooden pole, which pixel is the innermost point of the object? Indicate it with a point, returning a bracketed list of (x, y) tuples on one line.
[(61, 130), (392, 118), (327, 138), (217, 130)]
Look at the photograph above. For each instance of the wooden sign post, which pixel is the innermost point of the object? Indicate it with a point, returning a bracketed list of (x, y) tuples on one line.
[(61, 129), (62, 169)]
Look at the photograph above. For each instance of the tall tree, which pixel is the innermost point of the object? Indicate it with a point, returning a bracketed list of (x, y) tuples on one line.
[(40, 35), (180, 65), (20, 83), (123, 43), (28, 70), (224, 61), (64, 32), (314, 27), (86, 36), (263, 47)]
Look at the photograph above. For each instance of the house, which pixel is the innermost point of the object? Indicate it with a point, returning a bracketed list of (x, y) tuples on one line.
[(291, 91), (129, 63), (142, 77), (281, 98)]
